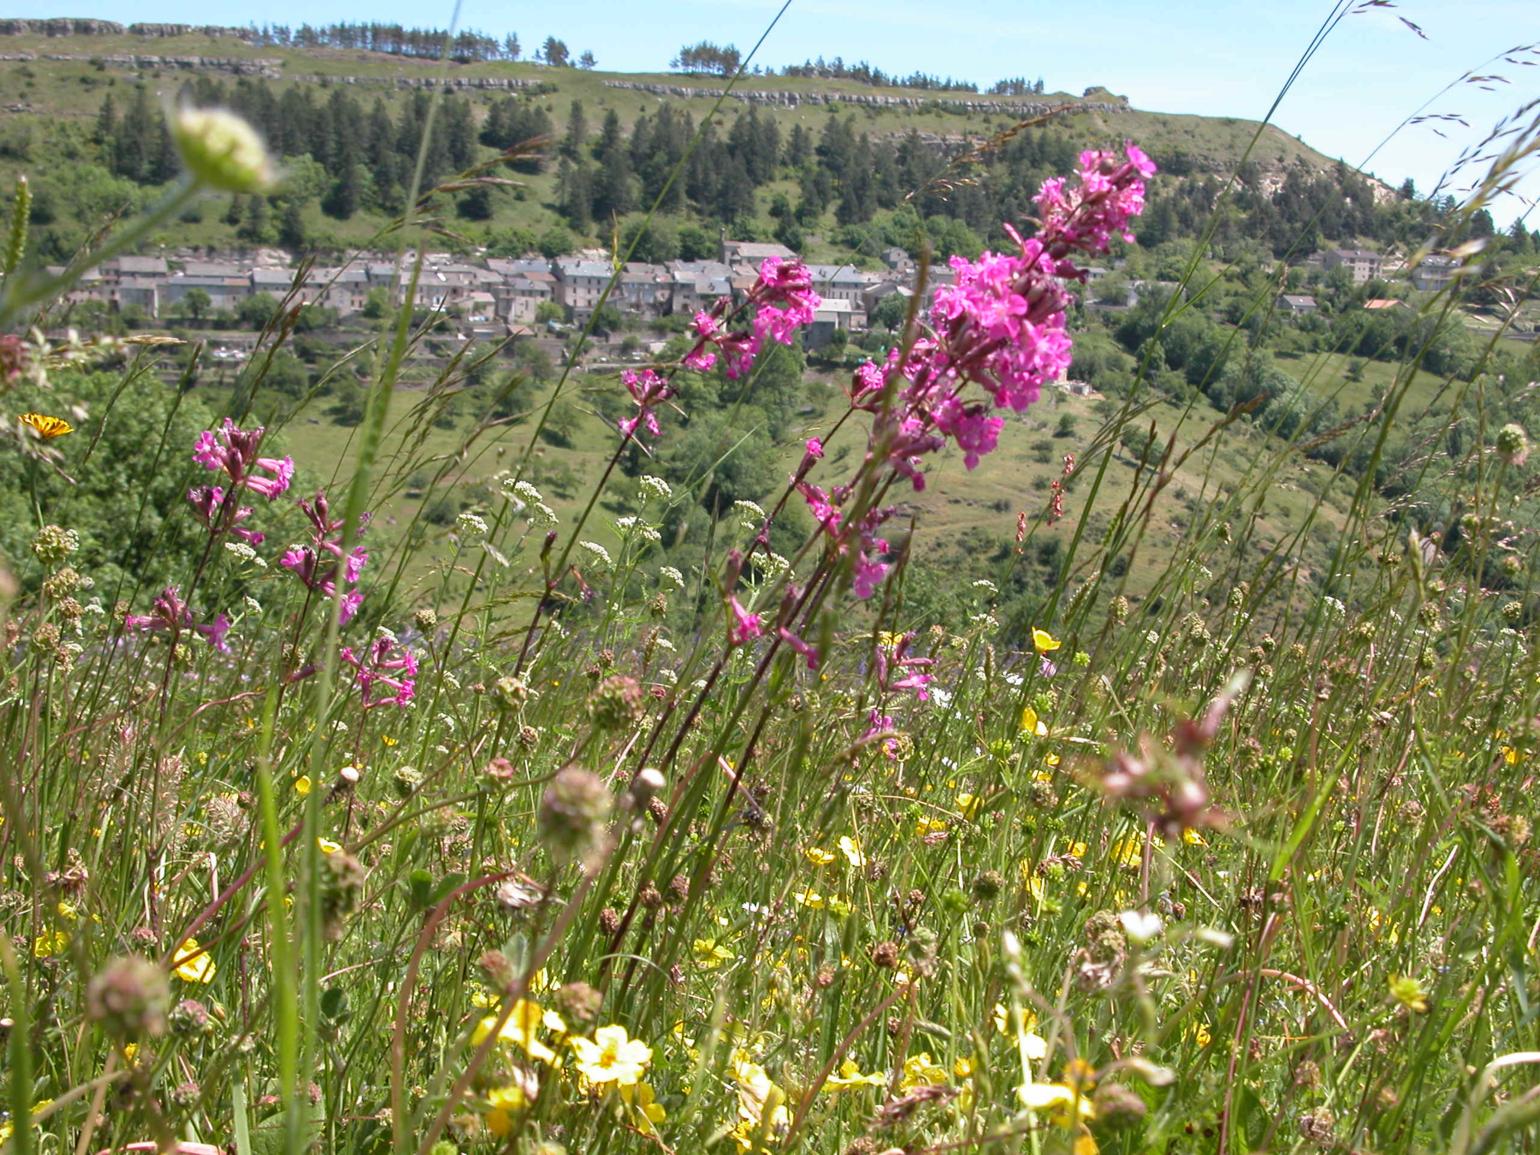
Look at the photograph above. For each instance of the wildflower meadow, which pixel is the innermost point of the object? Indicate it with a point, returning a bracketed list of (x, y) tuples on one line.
[(327, 828)]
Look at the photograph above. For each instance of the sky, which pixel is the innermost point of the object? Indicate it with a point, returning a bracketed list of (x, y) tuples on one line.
[(1215, 57)]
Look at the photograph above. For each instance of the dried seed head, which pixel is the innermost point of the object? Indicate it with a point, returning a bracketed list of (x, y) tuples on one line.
[(129, 997), (574, 813)]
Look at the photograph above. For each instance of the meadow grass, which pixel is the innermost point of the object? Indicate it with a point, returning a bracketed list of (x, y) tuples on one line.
[(1225, 852)]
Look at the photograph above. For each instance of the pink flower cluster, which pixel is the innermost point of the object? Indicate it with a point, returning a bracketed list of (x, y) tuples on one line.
[(170, 614), (783, 301), (900, 671), (13, 357), (233, 451), (221, 516), (386, 672), (649, 391), (320, 564), (1000, 326)]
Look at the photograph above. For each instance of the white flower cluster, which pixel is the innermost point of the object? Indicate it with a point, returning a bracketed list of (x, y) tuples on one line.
[(471, 524), (655, 487), (750, 515), (600, 555)]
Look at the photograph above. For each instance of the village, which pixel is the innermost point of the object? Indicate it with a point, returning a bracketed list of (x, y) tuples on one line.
[(493, 298)]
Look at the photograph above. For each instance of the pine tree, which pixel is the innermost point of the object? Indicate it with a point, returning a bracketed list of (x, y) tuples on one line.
[(575, 194), (292, 233), (577, 132), (106, 123)]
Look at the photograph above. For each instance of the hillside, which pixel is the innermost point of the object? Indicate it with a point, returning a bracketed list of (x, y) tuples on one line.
[(53, 87)]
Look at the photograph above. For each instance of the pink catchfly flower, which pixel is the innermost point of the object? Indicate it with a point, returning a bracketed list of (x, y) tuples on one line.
[(322, 563), (170, 614), (221, 513), (997, 335), (649, 391), (233, 451), (781, 302), (385, 672)]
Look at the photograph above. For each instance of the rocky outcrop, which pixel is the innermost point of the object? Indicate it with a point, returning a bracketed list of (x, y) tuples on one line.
[(785, 98), (67, 26), (235, 65), (459, 83), (60, 26), (215, 31)]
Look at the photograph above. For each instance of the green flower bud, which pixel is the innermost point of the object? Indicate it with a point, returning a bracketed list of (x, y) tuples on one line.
[(222, 151)]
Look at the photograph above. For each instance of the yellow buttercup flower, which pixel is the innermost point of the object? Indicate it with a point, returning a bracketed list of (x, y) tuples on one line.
[(710, 954), (1407, 991), (921, 1071), (968, 805), (505, 1102), (302, 785), (50, 943), (642, 1099), (193, 964), (1062, 1103), (818, 856), (849, 1077), (1032, 724), (1043, 642), (521, 1027)]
